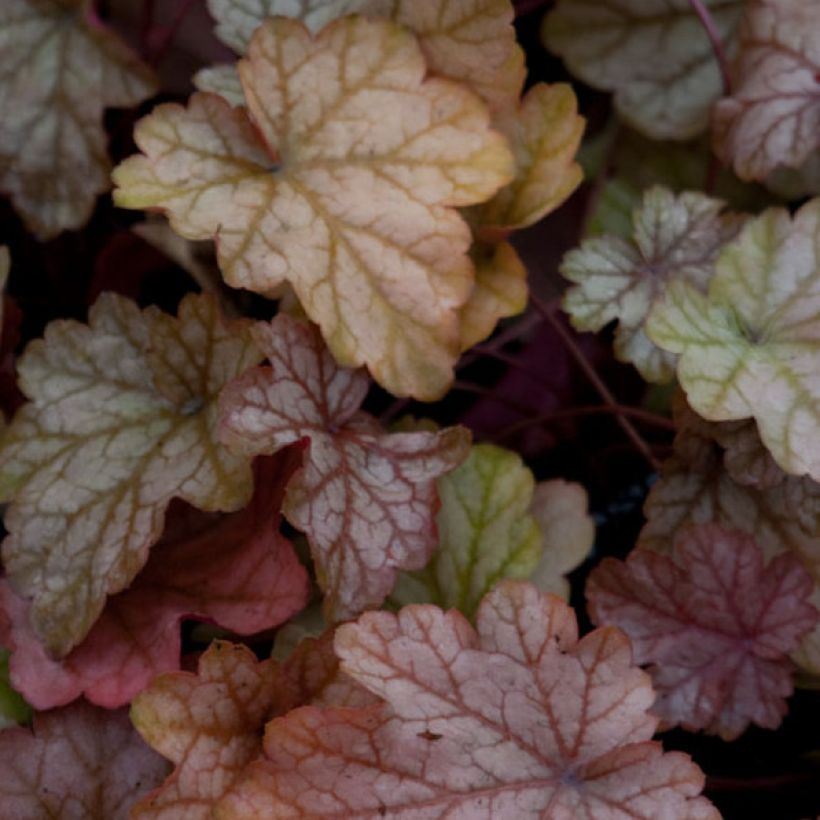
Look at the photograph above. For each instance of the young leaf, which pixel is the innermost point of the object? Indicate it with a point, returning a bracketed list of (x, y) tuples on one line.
[(568, 531), (749, 348), (715, 624), (340, 178), (79, 762), (772, 118), (485, 533), (61, 68), (517, 719), (239, 573), (470, 41), (675, 237), (210, 724), (365, 499), (121, 420), (654, 54)]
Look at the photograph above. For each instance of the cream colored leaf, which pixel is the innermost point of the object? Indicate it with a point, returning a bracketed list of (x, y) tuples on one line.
[(772, 117), (675, 237), (121, 419), (60, 69), (544, 134), (750, 348), (471, 41), (654, 54), (500, 291), (222, 80), (346, 194)]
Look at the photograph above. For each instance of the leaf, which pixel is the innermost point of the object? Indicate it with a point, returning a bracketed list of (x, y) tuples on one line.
[(470, 41), (500, 291), (517, 719), (544, 134), (383, 268), (568, 531), (485, 533), (239, 573), (654, 54), (209, 724), (13, 709), (675, 238), (61, 68), (79, 762), (749, 347), (714, 622), (772, 117), (121, 419), (365, 499)]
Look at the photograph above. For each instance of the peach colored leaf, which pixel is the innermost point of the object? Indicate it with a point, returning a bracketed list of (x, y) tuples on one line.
[(470, 41), (121, 419), (346, 189), (239, 573), (485, 533), (714, 623), (61, 68), (544, 134), (515, 719), (78, 763), (568, 531), (654, 54), (772, 117), (210, 724), (675, 237), (366, 499), (749, 347), (500, 291)]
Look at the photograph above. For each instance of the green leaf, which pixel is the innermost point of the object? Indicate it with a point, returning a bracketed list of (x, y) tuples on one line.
[(13, 709)]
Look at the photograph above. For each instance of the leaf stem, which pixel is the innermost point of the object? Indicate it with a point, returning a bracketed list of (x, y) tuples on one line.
[(589, 371), (708, 23), (167, 39)]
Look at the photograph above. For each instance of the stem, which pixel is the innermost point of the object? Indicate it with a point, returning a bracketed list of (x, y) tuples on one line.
[(494, 395), (161, 48), (589, 371), (708, 23)]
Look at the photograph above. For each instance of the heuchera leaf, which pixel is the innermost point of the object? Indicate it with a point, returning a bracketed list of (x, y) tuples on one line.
[(239, 573), (654, 54), (339, 178), (210, 724), (121, 419), (749, 348), (61, 68), (772, 118), (78, 762), (714, 622), (515, 719), (13, 709), (568, 532), (470, 41), (366, 499), (485, 533), (675, 237)]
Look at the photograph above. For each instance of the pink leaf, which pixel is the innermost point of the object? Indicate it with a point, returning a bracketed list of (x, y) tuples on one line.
[(241, 574), (714, 624), (517, 719), (78, 763), (366, 500)]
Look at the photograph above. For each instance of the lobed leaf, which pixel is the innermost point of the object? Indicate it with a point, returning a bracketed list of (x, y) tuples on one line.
[(749, 347), (340, 178), (518, 718), (61, 68), (653, 54), (78, 763), (239, 573), (714, 622), (365, 499), (470, 41), (121, 419), (772, 117), (675, 238)]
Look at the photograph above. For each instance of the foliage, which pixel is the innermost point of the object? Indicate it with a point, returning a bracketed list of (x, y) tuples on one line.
[(308, 468)]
